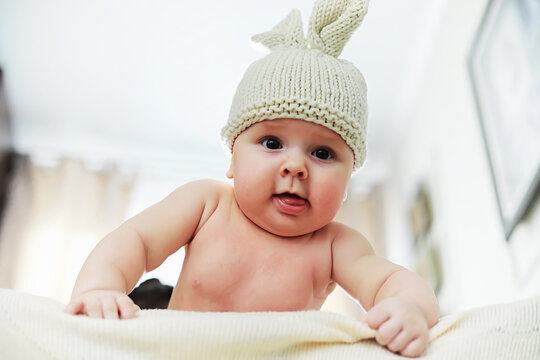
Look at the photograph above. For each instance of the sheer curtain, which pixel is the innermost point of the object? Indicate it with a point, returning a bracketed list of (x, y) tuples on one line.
[(53, 217)]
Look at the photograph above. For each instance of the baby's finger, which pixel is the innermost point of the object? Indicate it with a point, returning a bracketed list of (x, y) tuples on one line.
[(93, 308), (376, 317), (110, 310), (126, 307), (387, 332), (400, 341), (74, 307), (415, 348)]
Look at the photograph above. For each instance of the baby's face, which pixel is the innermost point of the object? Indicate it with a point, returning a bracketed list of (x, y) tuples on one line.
[(290, 176)]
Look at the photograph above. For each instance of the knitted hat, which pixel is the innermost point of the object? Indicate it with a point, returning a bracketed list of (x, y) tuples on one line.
[(303, 79)]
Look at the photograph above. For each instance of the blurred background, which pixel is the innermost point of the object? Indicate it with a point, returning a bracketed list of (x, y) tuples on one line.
[(108, 106)]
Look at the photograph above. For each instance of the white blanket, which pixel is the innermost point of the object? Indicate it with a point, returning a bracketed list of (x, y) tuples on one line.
[(33, 327)]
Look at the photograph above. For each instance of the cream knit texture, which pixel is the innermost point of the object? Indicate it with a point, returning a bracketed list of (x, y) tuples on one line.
[(303, 78), (33, 327)]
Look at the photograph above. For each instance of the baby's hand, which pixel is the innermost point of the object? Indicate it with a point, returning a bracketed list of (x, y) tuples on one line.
[(400, 326), (103, 304)]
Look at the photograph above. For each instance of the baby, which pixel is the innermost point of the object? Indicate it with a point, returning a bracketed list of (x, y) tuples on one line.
[(297, 132)]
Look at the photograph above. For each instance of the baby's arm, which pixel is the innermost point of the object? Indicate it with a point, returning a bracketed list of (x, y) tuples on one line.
[(400, 305), (140, 244)]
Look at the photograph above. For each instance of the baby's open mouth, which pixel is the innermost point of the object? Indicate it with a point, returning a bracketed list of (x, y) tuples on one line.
[(291, 199), (291, 203)]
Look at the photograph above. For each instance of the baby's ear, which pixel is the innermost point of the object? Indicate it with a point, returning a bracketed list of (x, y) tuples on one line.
[(230, 173)]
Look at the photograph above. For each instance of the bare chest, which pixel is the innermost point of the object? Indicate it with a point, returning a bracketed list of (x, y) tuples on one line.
[(233, 267)]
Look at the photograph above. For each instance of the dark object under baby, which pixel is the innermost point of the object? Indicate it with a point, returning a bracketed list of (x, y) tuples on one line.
[(151, 294)]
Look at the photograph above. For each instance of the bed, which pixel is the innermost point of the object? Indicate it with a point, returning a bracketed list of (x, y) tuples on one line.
[(33, 327)]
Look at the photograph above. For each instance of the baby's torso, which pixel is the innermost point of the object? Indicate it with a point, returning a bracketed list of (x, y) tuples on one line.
[(232, 265)]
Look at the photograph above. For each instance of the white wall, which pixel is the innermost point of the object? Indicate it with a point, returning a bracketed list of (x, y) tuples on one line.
[(442, 146), (149, 84)]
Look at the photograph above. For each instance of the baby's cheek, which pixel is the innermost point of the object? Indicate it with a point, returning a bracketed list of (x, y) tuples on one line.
[(330, 200)]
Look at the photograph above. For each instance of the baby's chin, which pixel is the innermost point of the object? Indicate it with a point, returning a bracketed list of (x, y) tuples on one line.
[(289, 229), (284, 225)]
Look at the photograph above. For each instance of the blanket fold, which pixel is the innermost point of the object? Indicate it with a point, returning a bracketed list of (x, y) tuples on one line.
[(33, 327)]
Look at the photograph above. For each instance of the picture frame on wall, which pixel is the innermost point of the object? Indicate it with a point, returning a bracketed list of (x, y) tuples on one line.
[(427, 253), (504, 67)]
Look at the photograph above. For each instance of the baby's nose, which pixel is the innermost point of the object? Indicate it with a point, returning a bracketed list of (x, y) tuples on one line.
[(294, 166)]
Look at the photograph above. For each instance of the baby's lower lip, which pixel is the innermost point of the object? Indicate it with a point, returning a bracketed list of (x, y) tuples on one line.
[(290, 204)]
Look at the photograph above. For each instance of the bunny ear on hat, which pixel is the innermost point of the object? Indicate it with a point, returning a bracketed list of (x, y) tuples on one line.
[(332, 23), (287, 34)]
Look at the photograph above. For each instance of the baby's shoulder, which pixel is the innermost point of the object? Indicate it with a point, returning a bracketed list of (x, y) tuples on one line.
[(340, 232), (337, 229), (207, 192), (347, 241)]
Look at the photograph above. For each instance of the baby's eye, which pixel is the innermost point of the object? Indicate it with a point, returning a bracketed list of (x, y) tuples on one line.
[(322, 153), (271, 143)]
